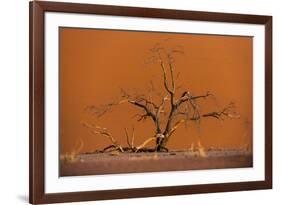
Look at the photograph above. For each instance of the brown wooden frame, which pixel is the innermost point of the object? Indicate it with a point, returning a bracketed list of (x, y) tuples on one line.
[(37, 193)]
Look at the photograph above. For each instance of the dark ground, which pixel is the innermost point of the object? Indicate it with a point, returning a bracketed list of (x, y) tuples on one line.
[(112, 163)]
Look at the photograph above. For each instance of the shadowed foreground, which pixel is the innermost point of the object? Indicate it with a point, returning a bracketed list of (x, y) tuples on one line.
[(113, 163)]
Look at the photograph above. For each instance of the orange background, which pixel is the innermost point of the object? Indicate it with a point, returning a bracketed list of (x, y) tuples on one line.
[(95, 64)]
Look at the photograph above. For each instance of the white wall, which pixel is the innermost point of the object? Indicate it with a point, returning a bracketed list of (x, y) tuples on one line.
[(14, 100)]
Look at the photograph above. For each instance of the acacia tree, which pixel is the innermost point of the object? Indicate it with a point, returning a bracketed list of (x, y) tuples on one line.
[(174, 108)]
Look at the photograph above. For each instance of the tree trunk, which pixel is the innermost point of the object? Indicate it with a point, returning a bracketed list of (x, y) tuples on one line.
[(161, 143)]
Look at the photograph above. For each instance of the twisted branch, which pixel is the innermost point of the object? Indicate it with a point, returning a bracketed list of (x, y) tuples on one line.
[(151, 109)]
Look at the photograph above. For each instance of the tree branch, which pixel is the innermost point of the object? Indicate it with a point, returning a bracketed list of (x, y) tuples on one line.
[(103, 132), (186, 96), (145, 143), (165, 78), (228, 111)]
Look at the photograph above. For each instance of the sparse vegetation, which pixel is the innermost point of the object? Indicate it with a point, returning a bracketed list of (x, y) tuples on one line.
[(167, 111)]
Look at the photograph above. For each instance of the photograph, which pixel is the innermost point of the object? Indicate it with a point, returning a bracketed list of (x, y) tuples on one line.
[(147, 101), (131, 101)]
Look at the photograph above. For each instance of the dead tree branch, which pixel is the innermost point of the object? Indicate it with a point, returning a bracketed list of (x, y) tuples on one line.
[(183, 105)]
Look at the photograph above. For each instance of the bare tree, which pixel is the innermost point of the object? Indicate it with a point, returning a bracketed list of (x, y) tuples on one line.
[(173, 108)]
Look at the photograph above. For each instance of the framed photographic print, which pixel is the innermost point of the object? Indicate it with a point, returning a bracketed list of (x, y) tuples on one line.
[(138, 102)]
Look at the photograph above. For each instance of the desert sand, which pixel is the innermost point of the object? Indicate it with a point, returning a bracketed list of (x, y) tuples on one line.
[(113, 163)]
